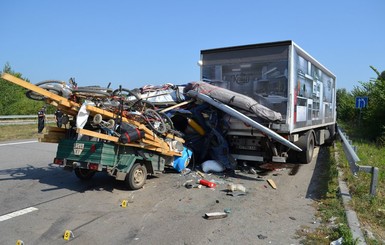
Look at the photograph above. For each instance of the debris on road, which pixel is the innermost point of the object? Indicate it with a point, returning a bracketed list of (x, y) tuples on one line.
[(207, 183), (236, 187), (272, 183), (215, 215)]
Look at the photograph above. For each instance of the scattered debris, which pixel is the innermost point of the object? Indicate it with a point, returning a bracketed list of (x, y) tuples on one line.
[(272, 184), (339, 241), (201, 174), (236, 193), (207, 183), (186, 171), (262, 237), (215, 215), (252, 170), (236, 187), (381, 212), (212, 166)]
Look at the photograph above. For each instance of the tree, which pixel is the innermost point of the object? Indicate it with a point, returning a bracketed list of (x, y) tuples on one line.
[(13, 100), (368, 122), (345, 106), (373, 115)]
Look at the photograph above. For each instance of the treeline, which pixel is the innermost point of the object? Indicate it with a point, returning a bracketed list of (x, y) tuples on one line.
[(367, 122), (13, 100)]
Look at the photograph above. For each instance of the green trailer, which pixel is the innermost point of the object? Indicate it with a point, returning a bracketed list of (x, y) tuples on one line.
[(125, 163)]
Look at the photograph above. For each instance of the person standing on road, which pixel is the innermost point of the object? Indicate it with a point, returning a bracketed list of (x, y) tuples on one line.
[(59, 117), (40, 120)]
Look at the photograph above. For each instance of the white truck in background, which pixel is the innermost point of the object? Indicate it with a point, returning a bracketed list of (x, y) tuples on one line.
[(286, 79)]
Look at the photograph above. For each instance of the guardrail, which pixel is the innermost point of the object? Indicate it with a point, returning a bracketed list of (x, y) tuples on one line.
[(353, 159), (23, 116), (23, 119)]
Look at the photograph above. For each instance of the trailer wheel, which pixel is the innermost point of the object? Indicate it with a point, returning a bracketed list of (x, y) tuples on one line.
[(306, 143), (84, 174), (137, 176)]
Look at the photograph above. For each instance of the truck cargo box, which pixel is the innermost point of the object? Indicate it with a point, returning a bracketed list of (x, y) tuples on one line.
[(284, 78)]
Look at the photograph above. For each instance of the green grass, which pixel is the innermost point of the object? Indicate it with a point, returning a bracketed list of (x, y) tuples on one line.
[(370, 209), (14, 132)]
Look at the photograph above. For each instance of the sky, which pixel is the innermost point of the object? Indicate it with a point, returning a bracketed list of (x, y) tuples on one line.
[(137, 43)]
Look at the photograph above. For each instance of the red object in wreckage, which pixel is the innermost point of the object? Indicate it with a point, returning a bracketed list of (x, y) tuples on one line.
[(207, 183)]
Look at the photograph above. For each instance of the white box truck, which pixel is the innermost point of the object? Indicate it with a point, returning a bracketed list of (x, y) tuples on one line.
[(286, 79)]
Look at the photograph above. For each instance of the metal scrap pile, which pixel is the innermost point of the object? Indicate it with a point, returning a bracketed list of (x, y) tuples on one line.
[(167, 119)]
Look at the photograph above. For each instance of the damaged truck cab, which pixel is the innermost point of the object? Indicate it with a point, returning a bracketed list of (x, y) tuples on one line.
[(286, 79)]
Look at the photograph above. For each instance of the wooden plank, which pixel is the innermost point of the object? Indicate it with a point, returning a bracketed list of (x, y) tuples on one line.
[(57, 98), (97, 135), (115, 139), (177, 105), (49, 140), (272, 183), (55, 129)]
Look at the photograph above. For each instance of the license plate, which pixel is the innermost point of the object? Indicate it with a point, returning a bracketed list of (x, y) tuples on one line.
[(78, 148)]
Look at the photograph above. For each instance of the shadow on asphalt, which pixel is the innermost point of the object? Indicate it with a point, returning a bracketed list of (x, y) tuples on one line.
[(58, 178), (318, 186)]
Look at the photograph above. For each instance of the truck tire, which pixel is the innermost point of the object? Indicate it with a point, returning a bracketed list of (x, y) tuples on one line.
[(84, 174), (306, 143), (137, 176)]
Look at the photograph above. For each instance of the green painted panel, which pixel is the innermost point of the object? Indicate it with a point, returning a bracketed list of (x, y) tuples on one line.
[(87, 151)]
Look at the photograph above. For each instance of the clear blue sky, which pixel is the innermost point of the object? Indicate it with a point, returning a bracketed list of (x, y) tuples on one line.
[(134, 43)]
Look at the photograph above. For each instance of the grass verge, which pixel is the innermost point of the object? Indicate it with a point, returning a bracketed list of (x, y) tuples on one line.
[(370, 209), (14, 132)]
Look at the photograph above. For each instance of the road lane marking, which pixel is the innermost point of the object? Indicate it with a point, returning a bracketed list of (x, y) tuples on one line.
[(18, 143), (17, 213)]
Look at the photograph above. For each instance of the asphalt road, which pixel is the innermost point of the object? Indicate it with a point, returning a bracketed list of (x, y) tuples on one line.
[(39, 202)]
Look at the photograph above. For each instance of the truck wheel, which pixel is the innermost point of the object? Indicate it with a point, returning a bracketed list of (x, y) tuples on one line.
[(306, 143), (137, 176), (84, 174)]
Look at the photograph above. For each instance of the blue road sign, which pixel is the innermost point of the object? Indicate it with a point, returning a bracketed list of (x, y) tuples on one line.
[(361, 102)]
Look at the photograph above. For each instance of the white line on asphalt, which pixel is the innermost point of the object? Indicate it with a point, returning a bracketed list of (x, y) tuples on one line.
[(17, 143), (17, 213)]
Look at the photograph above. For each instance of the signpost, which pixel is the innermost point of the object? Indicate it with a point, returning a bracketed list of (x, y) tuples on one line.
[(361, 102)]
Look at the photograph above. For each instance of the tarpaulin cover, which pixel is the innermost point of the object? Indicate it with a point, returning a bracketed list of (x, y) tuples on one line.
[(234, 99)]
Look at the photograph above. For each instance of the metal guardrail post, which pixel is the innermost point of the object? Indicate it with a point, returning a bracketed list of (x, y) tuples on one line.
[(350, 152)]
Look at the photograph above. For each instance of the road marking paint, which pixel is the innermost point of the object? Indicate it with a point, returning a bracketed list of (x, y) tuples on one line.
[(17, 213), (18, 143)]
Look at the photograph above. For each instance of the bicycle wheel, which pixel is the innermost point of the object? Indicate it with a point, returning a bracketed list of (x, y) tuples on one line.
[(142, 105), (48, 85), (36, 96), (155, 121), (125, 93), (167, 121)]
